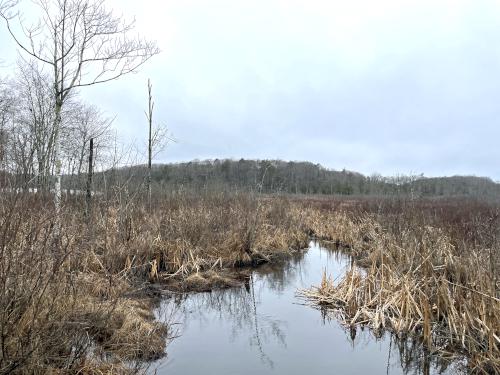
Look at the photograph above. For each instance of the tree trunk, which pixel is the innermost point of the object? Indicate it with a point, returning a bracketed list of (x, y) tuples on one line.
[(57, 157), (89, 179), (150, 145)]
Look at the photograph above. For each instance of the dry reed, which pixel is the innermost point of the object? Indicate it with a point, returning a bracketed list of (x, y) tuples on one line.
[(418, 279), (78, 302)]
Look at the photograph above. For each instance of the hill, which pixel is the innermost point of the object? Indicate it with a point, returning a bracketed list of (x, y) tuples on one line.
[(277, 176)]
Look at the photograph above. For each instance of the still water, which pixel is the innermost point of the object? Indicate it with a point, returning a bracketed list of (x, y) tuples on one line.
[(264, 328)]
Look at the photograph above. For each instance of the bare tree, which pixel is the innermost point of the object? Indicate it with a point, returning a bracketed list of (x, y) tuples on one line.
[(35, 112), (149, 116), (157, 139), (83, 44), (90, 174), (6, 105), (18, 138), (86, 122)]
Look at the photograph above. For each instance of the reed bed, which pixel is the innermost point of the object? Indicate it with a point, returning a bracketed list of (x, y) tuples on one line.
[(418, 273), (78, 292), (192, 237)]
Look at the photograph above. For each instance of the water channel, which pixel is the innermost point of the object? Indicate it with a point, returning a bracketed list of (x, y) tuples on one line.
[(264, 328)]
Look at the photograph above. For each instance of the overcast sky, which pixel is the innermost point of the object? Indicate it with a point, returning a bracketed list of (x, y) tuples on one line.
[(388, 86)]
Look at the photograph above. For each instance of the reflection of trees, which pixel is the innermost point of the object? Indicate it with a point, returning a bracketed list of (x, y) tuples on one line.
[(256, 339), (295, 271), (279, 274), (238, 307), (414, 358), (410, 354)]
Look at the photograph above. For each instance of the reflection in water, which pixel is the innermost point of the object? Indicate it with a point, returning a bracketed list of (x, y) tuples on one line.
[(238, 307), (275, 329), (261, 327), (416, 359)]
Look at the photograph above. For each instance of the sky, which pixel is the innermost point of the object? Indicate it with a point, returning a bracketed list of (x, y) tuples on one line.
[(387, 86)]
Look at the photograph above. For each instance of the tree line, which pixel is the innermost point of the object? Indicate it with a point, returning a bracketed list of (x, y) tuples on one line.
[(293, 177), (29, 133)]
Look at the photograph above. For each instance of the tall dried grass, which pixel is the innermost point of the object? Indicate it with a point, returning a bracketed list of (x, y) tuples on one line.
[(58, 314), (76, 300), (426, 272), (192, 235)]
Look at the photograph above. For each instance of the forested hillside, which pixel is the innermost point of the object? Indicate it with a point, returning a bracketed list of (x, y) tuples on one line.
[(276, 176)]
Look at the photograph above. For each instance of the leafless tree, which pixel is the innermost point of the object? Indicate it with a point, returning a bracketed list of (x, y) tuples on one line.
[(28, 122), (17, 136), (6, 105), (157, 139), (149, 116), (85, 122), (83, 44), (35, 112)]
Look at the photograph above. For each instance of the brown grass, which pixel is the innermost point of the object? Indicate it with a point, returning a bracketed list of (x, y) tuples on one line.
[(82, 302), (188, 235), (426, 272), (78, 302)]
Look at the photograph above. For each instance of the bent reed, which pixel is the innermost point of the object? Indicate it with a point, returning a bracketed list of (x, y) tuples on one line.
[(425, 268)]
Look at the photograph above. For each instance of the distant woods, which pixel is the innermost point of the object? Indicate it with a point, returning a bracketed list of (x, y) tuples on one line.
[(276, 176), (28, 157)]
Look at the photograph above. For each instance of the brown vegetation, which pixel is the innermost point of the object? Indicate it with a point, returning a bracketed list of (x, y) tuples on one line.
[(82, 301), (75, 299), (62, 308), (429, 268)]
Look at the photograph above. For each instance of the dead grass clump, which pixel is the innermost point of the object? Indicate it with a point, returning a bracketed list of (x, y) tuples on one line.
[(133, 333), (196, 234), (61, 303), (207, 281)]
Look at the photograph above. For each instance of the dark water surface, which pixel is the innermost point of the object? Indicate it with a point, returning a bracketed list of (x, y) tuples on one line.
[(263, 328)]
